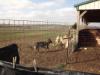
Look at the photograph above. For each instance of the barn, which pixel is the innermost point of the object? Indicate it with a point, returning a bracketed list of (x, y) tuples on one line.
[(88, 12)]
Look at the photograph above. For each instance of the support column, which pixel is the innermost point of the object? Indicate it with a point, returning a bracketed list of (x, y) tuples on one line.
[(79, 27), (77, 30), (82, 19), (74, 40)]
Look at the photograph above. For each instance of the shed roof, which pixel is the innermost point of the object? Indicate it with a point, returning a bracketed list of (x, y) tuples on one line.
[(86, 2)]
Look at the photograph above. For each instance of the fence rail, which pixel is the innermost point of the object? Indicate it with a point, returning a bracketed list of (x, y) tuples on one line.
[(28, 22)]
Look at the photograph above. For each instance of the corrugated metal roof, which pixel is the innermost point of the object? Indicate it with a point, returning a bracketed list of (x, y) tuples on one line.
[(86, 2)]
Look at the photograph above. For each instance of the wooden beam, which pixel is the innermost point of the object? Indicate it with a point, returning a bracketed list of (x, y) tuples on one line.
[(78, 20), (75, 44), (83, 13)]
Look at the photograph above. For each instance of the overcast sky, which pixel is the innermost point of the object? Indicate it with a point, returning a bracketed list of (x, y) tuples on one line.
[(53, 10)]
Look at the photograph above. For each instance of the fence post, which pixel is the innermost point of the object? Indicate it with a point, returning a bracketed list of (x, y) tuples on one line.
[(14, 62), (67, 50), (34, 65)]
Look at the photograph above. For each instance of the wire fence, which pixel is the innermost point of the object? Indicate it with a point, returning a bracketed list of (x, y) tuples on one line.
[(28, 22), (25, 33)]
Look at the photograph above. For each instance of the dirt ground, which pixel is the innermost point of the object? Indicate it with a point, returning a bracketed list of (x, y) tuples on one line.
[(85, 60)]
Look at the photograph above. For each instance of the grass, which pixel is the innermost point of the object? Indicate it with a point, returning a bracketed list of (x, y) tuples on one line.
[(61, 66), (12, 33)]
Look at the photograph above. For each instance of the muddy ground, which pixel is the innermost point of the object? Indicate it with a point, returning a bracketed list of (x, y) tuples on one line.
[(85, 60)]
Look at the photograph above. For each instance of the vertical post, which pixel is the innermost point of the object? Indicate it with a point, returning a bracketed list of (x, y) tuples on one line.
[(78, 28), (82, 19), (23, 22), (83, 23), (14, 22), (4, 21), (9, 21), (78, 20), (47, 22), (18, 22), (68, 49), (23, 29), (34, 65), (14, 62), (26, 22)]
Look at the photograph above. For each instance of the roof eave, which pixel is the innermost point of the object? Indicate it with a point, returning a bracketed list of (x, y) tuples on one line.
[(86, 2)]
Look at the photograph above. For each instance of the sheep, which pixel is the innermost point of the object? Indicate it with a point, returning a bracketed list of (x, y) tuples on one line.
[(42, 44)]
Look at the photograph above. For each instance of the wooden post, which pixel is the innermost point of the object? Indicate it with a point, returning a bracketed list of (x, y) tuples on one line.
[(4, 21), (78, 20), (82, 19), (18, 22), (34, 65), (84, 23), (14, 62), (82, 14), (9, 22), (67, 53), (78, 28), (23, 22), (14, 22)]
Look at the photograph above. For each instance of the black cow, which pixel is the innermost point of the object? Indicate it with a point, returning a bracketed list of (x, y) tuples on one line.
[(7, 53)]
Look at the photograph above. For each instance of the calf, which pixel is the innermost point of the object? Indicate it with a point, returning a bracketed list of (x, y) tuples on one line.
[(42, 44)]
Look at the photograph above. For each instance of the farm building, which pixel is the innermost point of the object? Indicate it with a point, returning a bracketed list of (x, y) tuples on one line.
[(88, 12)]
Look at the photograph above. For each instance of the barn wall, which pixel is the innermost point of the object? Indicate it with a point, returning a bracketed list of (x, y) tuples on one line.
[(89, 38)]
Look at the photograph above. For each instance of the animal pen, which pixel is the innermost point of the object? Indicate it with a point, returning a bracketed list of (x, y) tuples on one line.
[(24, 33), (82, 54), (19, 41)]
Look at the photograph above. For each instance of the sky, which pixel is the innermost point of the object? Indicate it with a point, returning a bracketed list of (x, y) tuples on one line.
[(51, 10)]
